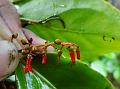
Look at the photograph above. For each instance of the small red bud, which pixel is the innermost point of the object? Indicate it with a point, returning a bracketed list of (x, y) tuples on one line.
[(24, 42), (72, 56), (44, 59), (57, 41), (78, 54), (15, 35), (28, 67), (30, 40)]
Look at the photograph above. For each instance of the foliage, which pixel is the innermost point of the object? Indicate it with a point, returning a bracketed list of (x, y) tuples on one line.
[(93, 24)]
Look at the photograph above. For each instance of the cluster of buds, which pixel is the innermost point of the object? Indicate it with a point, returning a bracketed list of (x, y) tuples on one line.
[(72, 48), (35, 49)]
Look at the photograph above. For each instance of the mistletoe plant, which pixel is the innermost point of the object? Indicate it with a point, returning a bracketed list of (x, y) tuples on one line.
[(31, 50), (88, 29)]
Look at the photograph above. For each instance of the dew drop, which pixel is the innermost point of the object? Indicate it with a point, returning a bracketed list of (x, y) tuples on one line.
[(54, 14), (17, 7), (62, 6), (43, 21)]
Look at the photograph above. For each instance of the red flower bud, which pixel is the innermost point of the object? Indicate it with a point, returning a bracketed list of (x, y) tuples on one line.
[(30, 40), (44, 59), (15, 35), (78, 54), (28, 67), (24, 42), (57, 41), (72, 55)]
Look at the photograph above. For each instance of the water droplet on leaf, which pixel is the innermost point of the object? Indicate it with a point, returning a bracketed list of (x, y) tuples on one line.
[(62, 6)]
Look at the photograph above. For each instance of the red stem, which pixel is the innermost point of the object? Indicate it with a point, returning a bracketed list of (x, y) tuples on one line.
[(58, 59)]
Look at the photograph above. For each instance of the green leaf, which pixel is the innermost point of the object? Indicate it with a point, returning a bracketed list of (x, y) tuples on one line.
[(21, 80), (96, 31), (69, 76), (31, 80), (42, 9), (45, 83)]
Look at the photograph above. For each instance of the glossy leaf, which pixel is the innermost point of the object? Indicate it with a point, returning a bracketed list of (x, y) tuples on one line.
[(31, 80), (21, 80), (42, 9), (70, 76), (94, 25)]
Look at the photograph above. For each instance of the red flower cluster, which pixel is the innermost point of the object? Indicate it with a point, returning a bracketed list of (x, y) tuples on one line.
[(71, 47), (33, 50)]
